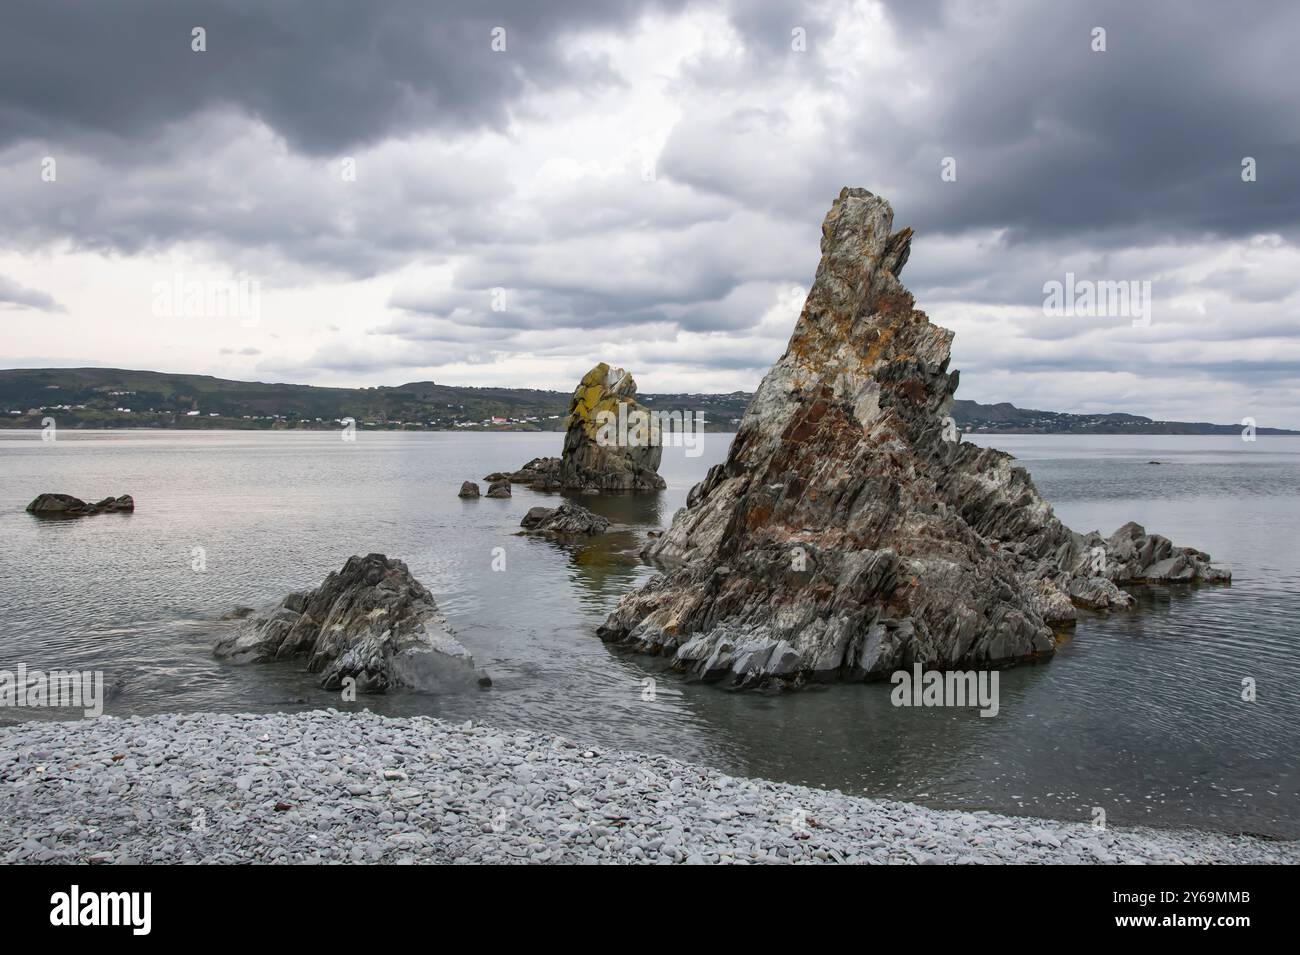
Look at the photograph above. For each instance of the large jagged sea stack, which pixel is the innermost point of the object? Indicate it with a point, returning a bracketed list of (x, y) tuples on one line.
[(847, 535)]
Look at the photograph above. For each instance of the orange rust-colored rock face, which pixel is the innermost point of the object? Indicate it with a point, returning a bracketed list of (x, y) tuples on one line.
[(757, 517), (845, 536), (913, 390)]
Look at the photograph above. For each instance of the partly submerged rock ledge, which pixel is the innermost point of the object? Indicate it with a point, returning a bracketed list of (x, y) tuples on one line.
[(326, 786), (849, 533), (371, 622), (567, 520), (65, 505)]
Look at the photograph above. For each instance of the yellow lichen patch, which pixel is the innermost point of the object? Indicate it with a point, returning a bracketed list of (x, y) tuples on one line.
[(592, 400), (588, 392), (596, 376), (598, 406), (585, 401)]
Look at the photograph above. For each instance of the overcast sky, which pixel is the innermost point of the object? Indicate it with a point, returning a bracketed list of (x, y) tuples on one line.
[(644, 183)]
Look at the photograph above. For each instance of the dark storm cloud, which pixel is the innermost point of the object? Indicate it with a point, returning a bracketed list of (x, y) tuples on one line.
[(1139, 142), (1123, 165), (156, 144), (768, 26), (221, 180), (14, 295), (325, 74), (1247, 372)]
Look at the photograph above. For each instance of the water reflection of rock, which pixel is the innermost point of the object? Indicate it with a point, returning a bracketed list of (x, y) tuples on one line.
[(639, 511), (852, 737), (605, 566)]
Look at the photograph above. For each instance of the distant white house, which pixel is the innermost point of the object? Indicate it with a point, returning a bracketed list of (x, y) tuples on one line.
[(192, 414)]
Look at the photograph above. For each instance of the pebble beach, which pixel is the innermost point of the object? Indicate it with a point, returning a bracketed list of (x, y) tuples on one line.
[(333, 787)]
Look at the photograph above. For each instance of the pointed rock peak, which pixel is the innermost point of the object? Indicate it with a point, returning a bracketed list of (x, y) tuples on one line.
[(618, 381), (609, 379), (850, 532)]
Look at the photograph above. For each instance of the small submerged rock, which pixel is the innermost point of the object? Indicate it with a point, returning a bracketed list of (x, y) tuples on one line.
[(65, 505), (468, 489), (371, 622), (567, 520)]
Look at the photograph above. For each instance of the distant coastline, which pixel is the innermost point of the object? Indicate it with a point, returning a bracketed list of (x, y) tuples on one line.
[(114, 398)]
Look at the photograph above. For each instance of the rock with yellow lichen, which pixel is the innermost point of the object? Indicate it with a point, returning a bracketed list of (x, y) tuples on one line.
[(850, 532), (603, 448)]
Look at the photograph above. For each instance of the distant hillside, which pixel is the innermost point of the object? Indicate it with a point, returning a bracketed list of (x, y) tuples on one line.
[(116, 398), (1003, 418)]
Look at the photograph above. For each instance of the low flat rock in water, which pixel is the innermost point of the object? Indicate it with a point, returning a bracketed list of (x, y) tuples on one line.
[(371, 622), (850, 532), (567, 520), (65, 505)]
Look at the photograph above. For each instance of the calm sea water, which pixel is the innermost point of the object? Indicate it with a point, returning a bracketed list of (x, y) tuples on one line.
[(1139, 713)]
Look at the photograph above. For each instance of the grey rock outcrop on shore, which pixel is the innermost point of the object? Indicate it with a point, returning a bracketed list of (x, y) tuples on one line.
[(468, 489), (567, 520), (328, 786), (850, 533), (65, 505), (371, 622), (590, 462)]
